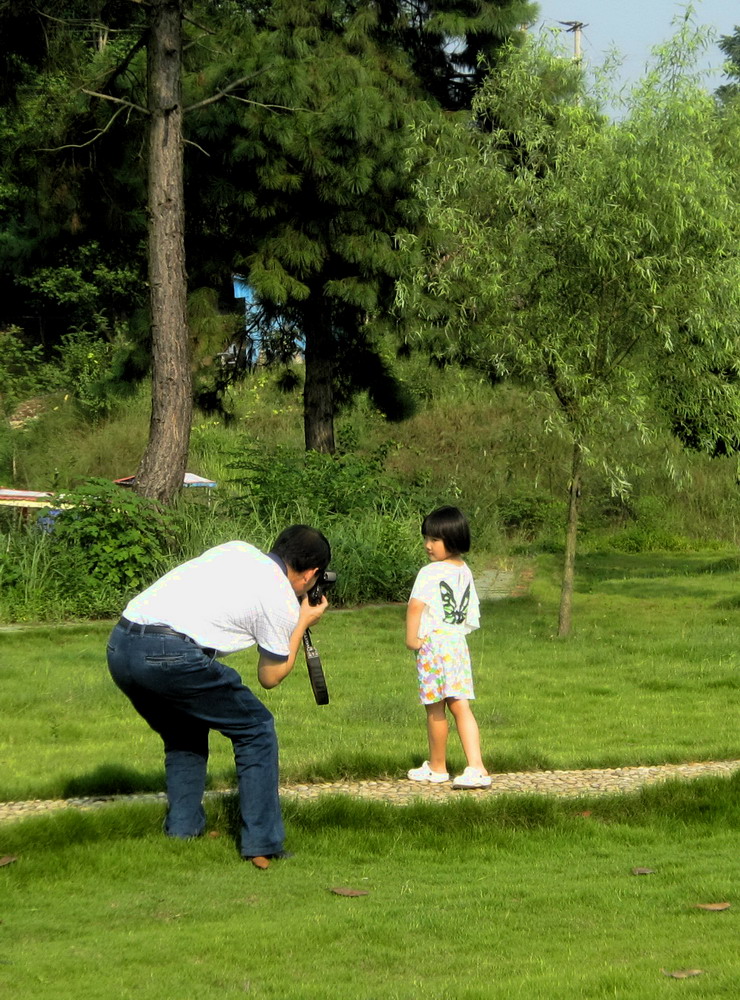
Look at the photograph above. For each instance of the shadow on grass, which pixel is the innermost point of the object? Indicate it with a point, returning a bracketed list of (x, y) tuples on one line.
[(593, 569), (113, 779), (655, 576), (349, 767), (728, 564), (705, 801), (728, 603), (527, 614)]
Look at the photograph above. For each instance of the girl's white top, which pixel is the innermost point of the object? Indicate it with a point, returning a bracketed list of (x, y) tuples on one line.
[(450, 598)]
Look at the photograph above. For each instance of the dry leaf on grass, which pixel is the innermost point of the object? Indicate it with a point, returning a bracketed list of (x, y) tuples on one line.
[(643, 871), (8, 859), (683, 973), (712, 906), (340, 890)]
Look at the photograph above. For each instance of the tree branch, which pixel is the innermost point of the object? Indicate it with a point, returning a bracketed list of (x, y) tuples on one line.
[(202, 27), (124, 64), (189, 142), (624, 353), (116, 100), (84, 22), (566, 401), (81, 145), (222, 93), (270, 107)]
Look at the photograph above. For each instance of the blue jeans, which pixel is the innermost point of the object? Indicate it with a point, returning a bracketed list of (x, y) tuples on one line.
[(183, 693)]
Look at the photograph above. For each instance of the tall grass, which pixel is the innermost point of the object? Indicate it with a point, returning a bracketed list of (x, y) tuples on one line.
[(481, 447), (468, 442), (27, 579), (60, 447)]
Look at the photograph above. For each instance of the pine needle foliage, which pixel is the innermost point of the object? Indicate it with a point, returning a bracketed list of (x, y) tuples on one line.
[(321, 134)]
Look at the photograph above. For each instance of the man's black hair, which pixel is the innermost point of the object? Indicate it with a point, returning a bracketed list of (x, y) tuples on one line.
[(302, 547), (451, 526)]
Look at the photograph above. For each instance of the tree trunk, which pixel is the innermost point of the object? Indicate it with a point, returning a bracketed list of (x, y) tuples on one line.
[(318, 386), (163, 465), (566, 593)]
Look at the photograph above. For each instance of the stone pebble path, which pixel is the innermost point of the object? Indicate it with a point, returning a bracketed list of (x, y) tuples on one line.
[(400, 791)]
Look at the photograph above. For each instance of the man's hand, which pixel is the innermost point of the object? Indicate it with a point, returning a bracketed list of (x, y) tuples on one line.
[(309, 614)]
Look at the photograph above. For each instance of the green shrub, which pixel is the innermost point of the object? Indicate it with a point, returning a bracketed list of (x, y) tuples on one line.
[(22, 371), (289, 480), (84, 369), (109, 535), (10, 571), (286, 482), (633, 540), (7, 452), (375, 556), (105, 544), (529, 513), (372, 519)]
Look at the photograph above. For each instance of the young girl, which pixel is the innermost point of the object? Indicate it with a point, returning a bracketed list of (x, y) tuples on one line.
[(442, 609)]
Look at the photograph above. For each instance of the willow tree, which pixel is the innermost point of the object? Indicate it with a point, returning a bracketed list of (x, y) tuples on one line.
[(584, 258)]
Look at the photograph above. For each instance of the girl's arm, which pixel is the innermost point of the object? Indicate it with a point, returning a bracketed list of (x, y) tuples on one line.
[(413, 617)]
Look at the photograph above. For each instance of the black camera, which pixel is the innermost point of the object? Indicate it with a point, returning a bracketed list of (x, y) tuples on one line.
[(326, 580)]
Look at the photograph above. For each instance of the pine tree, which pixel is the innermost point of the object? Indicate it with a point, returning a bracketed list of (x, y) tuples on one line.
[(299, 171), (315, 179), (72, 191), (163, 464), (84, 51), (730, 46)]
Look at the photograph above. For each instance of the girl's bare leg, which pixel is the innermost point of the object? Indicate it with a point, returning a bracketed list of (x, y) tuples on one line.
[(437, 729), (467, 730)]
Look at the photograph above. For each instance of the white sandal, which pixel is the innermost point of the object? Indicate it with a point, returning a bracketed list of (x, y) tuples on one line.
[(472, 777), (425, 773)]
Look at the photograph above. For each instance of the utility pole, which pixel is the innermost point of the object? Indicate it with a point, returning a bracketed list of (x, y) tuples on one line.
[(575, 28)]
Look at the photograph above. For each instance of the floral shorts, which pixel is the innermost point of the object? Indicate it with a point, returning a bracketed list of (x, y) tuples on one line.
[(443, 668)]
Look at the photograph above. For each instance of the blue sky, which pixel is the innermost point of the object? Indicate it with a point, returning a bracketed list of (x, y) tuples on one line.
[(635, 26)]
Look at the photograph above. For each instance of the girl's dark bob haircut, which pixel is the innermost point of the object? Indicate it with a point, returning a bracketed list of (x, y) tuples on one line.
[(450, 525)]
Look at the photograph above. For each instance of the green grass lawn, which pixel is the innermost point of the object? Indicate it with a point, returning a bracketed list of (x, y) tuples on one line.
[(507, 898), (498, 898), (649, 676)]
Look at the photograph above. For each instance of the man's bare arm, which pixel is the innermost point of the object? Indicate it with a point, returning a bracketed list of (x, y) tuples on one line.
[(270, 672)]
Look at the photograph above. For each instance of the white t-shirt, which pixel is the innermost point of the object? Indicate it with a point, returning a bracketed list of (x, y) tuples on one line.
[(448, 591), (228, 599)]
